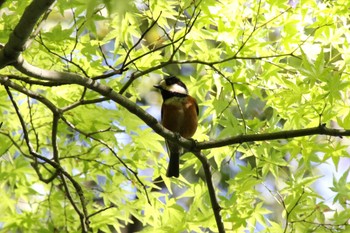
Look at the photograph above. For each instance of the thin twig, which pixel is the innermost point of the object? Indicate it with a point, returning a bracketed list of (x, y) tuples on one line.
[(136, 75), (22, 122), (106, 61), (288, 212), (64, 58), (39, 26), (54, 164), (83, 102), (113, 152), (101, 210), (285, 134), (82, 216), (125, 64), (31, 113)]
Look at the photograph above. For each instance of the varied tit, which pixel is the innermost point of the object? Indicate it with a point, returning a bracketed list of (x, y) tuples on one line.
[(179, 114)]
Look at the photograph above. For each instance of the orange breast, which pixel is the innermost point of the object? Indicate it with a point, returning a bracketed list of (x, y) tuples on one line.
[(180, 115)]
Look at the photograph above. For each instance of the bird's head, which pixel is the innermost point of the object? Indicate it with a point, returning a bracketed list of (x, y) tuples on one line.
[(172, 85)]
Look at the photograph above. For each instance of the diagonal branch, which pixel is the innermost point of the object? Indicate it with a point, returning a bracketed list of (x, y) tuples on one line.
[(82, 216), (55, 153), (57, 114), (39, 25), (125, 63), (9, 83), (64, 57), (21, 120), (172, 43), (188, 29), (158, 128), (214, 202), (20, 35)]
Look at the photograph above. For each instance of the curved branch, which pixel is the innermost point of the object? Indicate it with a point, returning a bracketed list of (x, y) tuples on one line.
[(57, 114), (64, 77), (82, 214), (157, 127), (7, 82), (55, 119), (113, 152), (31, 81), (49, 75), (21, 120)]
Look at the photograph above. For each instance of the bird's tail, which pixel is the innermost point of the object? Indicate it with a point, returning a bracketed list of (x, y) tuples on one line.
[(174, 160)]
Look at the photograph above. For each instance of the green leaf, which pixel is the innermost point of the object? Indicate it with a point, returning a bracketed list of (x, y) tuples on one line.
[(342, 188)]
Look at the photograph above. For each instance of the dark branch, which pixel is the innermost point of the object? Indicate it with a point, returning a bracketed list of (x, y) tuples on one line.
[(21, 120), (2, 2), (20, 35), (82, 216), (8, 83), (159, 129), (214, 202), (319, 130), (58, 114), (55, 120), (83, 102), (35, 82)]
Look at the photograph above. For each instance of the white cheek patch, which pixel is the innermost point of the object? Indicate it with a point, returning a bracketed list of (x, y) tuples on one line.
[(177, 89)]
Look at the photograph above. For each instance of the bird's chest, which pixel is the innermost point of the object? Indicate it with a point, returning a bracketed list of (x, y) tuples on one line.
[(175, 108), (174, 113)]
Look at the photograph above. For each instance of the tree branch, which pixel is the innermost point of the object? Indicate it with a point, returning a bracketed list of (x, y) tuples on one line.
[(83, 215), (214, 202), (49, 75), (167, 134), (9, 83), (21, 120), (20, 35), (125, 63), (90, 135), (55, 152), (319, 130), (2, 2)]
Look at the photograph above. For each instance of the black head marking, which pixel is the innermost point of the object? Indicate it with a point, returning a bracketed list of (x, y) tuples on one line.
[(172, 87), (174, 80)]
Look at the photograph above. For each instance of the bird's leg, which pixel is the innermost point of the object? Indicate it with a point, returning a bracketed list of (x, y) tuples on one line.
[(194, 144)]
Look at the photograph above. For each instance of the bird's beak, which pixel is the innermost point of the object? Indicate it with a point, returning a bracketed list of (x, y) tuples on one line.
[(157, 86)]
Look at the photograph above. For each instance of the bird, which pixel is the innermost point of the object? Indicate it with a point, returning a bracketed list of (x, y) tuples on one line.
[(179, 113)]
